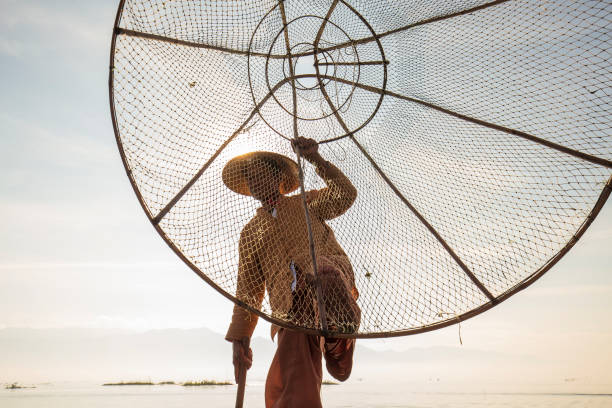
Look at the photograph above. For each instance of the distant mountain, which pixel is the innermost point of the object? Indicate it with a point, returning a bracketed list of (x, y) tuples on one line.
[(102, 355)]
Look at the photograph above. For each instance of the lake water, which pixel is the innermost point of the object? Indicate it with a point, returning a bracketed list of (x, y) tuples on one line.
[(353, 395)]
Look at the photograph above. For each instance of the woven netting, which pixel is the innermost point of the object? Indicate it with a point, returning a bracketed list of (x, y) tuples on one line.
[(476, 135)]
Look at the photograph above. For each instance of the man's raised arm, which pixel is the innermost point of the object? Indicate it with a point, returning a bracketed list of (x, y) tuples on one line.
[(335, 199)]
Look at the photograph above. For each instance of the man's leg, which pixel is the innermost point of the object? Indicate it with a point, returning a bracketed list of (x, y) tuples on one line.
[(294, 378)]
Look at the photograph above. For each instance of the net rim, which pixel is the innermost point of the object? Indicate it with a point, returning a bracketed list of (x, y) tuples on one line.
[(526, 282)]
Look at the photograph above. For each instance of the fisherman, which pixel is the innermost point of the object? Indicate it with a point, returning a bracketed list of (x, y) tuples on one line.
[(274, 254)]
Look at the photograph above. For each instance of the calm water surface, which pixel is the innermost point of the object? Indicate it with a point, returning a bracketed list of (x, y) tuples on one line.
[(353, 395)]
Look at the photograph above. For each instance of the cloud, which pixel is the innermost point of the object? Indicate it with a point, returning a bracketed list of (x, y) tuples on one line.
[(9, 47), (91, 265), (601, 234), (42, 144), (577, 290), (39, 28)]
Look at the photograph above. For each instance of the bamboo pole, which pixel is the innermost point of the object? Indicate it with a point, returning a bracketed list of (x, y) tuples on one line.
[(242, 375)]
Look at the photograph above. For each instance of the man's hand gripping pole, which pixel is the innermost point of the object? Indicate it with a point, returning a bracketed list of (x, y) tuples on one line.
[(242, 362)]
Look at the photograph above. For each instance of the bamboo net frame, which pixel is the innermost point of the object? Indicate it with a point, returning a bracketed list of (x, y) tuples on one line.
[(476, 134)]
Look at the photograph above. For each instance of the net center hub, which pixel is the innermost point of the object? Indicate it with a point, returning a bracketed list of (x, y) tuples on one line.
[(305, 65)]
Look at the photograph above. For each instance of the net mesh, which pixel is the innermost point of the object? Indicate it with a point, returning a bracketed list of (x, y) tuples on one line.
[(465, 146)]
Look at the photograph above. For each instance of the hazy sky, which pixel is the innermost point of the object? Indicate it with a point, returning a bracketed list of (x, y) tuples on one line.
[(77, 250)]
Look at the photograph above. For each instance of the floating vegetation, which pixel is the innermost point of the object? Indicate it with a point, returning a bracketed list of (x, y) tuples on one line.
[(130, 383), (206, 382), (187, 384), (16, 386)]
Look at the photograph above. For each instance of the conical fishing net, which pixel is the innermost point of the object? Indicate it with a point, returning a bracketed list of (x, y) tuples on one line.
[(475, 134)]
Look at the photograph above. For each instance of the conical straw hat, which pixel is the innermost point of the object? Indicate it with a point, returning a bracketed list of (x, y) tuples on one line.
[(234, 172)]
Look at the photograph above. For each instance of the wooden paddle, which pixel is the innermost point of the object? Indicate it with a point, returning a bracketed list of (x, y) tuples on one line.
[(242, 371)]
